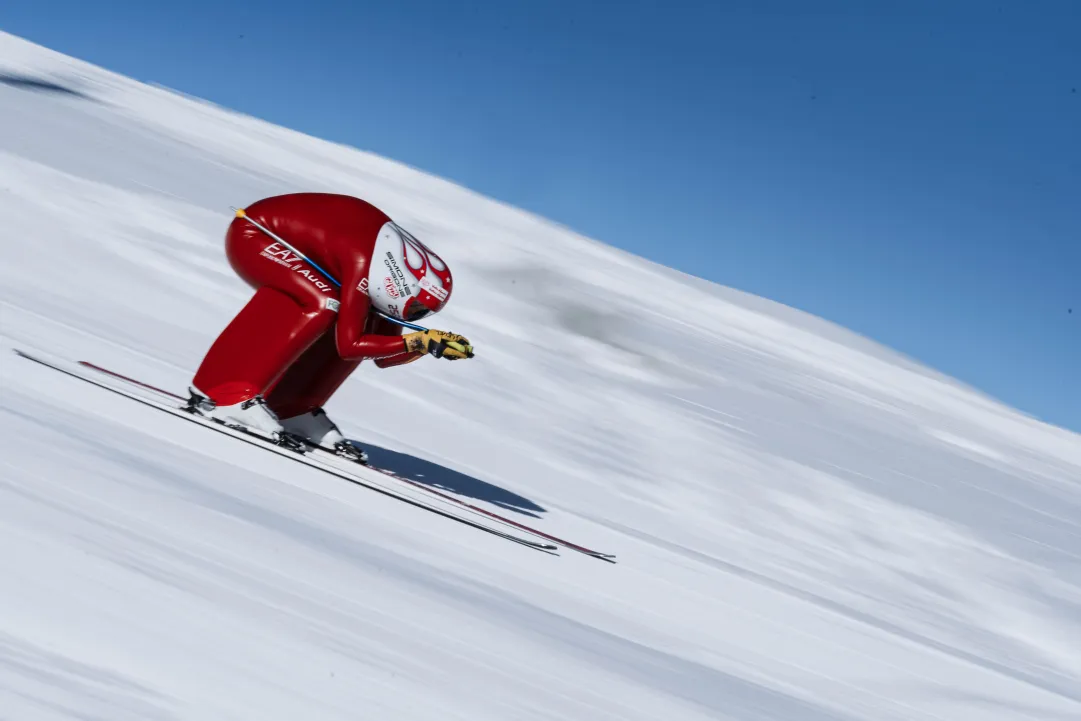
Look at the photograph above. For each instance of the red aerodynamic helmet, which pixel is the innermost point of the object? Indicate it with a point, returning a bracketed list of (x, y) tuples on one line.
[(406, 280)]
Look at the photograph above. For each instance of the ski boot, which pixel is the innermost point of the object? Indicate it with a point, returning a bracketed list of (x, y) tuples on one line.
[(251, 416), (316, 429)]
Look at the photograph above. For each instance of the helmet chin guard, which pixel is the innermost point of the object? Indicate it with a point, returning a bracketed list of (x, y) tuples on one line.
[(406, 280)]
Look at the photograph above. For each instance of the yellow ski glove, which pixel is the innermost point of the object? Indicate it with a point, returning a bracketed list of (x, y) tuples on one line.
[(439, 344)]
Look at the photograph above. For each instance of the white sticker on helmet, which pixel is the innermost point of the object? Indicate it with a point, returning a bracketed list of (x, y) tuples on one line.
[(434, 285)]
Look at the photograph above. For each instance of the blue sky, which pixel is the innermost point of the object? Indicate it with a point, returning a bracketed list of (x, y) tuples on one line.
[(909, 170)]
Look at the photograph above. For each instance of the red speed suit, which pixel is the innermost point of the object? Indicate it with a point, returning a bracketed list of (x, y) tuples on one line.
[(300, 336)]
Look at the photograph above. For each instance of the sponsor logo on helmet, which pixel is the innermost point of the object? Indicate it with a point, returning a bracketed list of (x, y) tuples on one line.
[(396, 275), (392, 291)]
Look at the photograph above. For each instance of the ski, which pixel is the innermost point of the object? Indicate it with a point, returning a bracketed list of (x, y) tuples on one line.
[(266, 444), (425, 489)]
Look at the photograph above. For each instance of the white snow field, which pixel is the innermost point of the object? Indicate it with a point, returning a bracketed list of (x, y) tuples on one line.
[(808, 526)]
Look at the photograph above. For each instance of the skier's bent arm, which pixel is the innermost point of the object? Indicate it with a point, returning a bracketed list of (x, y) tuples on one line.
[(367, 346), (349, 336), (354, 344), (385, 327)]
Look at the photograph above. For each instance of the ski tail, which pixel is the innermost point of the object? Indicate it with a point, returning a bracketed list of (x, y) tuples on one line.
[(121, 377)]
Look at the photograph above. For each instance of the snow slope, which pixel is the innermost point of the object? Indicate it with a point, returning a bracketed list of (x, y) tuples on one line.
[(809, 527)]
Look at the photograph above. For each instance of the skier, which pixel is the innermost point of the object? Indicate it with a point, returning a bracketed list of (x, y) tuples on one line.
[(300, 336)]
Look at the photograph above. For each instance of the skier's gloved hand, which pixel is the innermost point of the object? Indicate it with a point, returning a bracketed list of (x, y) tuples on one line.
[(439, 344)]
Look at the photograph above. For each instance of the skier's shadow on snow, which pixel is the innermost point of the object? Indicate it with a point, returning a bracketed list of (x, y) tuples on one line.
[(443, 478)]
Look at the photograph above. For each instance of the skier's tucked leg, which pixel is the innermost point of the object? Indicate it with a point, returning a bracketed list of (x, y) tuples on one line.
[(299, 395), (261, 342), (310, 382), (286, 315), (253, 351)]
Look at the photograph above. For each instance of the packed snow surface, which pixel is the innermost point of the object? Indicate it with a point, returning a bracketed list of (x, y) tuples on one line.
[(809, 527)]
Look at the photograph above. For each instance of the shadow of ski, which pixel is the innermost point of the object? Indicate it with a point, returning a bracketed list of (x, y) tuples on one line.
[(447, 479)]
